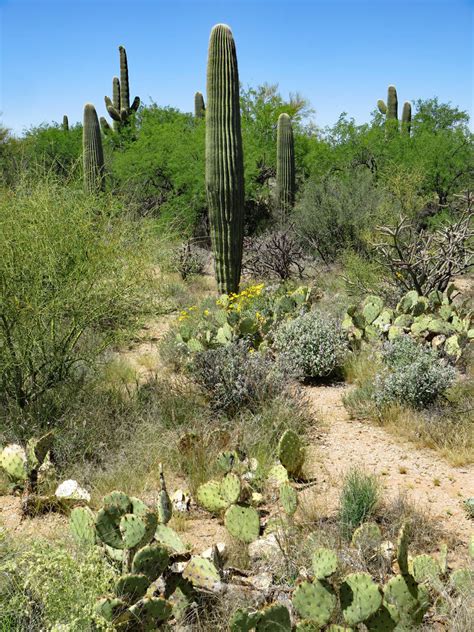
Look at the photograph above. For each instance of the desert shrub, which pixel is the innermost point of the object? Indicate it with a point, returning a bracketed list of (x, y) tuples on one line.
[(359, 497), (311, 345), (44, 584), (235, 376), (275, 254), (336, 213), (189, 259), (73, 277), (416, 375)]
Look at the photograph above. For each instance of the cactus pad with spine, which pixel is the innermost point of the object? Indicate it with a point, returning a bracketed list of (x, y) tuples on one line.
[(226, 460), (291, 452), (202, 573), (112, 609), (230, 488), (151, 561), (168, 537), (150, 612), (324, 563), (278, 474), (243, 621), (360, 598), (107, 524), (381, 621), (425, 568), (274, 617), (242, 522), (37, 449), (406, 601), (402, 549), (131, 587), (164, 505), (13, 461), (368, 535), (137, 530), (288, 498), (209, 497), (82, 525), (315, 601)]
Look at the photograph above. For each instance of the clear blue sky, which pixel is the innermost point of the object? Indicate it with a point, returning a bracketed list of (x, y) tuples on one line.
[(58, 54)]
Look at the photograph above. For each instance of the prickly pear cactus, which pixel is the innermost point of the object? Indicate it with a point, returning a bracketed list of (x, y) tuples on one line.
[(242, 522), (243, 621), (209, 496), (137, 530), (406, 601), (367, 536), (360, 598), (151, 612), (168, 537), (131, 587), (425, 568), (202, 573), (288, 498), (315, 601), (230, 488), (324, 563), (82, 524), (291, 452), (274, 617), (113, 610), (402, 549), (151, 561)]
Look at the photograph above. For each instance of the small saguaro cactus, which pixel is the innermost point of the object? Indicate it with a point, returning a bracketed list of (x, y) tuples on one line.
[(65, 125), (199, 107), (285, 175), (406, 118), (224, 159), (119, 107), (93, 155)]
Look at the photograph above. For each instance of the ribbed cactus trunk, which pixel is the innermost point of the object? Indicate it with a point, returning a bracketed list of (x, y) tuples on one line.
[(93, 155), (124, 86), (406, 118), (285, 174), (199, 107), (392, 103), (224, 159), (65, 123)]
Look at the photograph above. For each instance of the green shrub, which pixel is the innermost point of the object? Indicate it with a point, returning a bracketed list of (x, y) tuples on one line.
[(73, 275), (236, 376), (44, 584), (359, 497), (311, 345), (415, 376)]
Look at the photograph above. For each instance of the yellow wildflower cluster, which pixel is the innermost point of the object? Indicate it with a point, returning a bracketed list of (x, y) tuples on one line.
[(238, 301), (186, 313)]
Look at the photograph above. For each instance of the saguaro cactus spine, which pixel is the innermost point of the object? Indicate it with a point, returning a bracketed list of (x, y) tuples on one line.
[(224, 159), (199, 107), (93, 155), (285, 165)]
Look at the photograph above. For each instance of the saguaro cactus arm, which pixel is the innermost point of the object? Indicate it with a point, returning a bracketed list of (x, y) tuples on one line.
[(224, 158)]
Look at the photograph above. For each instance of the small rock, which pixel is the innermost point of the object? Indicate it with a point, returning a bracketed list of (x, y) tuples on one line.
[(71, 490), (181, 501), (265, 548), (263, 581), (210, 553)]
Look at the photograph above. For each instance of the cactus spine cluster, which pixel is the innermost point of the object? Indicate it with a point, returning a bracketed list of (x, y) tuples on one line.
[(199, 107), (390, 109), (93, 154), (224, 159), (119, 107), (285, 174)]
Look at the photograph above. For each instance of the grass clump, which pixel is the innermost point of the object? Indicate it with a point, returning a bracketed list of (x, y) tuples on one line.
[(359, 497)]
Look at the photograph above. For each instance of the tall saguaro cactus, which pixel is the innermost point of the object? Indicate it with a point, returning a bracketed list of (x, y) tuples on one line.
[(285, 174), (119, 107), (199, 107), (224, 159), (65, 124), (93, 155)]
